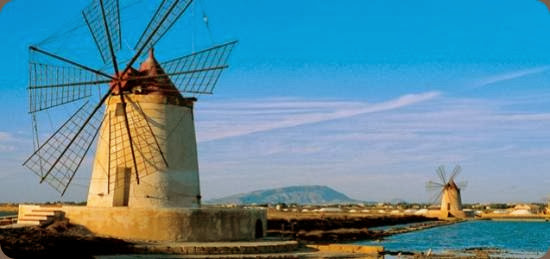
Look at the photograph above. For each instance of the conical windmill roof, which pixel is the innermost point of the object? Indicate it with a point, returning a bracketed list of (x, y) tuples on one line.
[(451, 185), (160, 83)]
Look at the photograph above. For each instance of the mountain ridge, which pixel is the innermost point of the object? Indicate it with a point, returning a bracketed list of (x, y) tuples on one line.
[(299, 194)]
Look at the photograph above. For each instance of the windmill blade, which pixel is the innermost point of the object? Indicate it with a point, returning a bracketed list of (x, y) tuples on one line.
[(34, 51), (432, 186), (103, 19), (51, 85), (59, 157), (165, 16), (198, 73), (456, 172), (462, 185), (442, 174), (437, 197)]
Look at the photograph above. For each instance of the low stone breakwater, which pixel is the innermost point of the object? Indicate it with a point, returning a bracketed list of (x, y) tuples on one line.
[(338, 229)]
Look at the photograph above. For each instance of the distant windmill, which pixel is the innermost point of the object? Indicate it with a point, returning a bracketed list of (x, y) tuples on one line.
[(448, 192), (146, 153), (547, 201)]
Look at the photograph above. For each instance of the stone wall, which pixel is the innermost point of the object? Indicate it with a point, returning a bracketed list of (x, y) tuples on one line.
[(189, 225)]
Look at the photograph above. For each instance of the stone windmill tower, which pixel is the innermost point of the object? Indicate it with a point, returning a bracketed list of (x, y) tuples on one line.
[(448, 192), (165, 149)]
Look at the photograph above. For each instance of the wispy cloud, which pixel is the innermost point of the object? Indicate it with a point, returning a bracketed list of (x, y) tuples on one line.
[(359, 154), (294, 113), (7, 142), (510, 76), (5, 136)]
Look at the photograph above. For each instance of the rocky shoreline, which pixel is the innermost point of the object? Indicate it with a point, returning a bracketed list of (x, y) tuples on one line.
[(57, 240)]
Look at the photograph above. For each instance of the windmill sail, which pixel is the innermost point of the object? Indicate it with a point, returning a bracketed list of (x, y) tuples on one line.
[(455, 173), (58, 159), (198, 72), (168, 12), (432, 186), (442, 174), (103, 19), (51, 85)]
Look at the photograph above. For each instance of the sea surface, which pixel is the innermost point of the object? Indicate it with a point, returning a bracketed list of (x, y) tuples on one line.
[(524, 239)]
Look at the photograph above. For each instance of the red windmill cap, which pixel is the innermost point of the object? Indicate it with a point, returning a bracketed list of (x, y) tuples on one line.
[(159, 81)]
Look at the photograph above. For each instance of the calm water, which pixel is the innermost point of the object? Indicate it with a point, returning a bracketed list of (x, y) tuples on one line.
[(7, 213), (514, 237)]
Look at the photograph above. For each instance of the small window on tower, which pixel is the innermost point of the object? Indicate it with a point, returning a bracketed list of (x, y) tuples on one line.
[(119, 110)]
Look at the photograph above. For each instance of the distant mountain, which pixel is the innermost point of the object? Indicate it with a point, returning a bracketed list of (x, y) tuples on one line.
[(306, 194)]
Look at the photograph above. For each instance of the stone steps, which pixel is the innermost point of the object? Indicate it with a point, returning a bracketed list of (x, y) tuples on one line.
[(43, 215), (25, 221), (8, 220)]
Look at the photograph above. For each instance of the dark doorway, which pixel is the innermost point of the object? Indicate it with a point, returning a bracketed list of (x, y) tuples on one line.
[(121, 192), (259, 229)]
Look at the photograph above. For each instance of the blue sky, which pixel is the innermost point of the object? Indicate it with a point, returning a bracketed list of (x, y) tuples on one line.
[(368, 97)]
